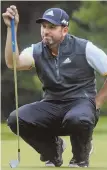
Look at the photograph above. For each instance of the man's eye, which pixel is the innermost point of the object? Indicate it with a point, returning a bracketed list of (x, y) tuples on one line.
[(43, 25), (52, 26)]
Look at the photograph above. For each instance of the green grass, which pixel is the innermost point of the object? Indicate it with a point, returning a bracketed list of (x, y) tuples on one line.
[(30, 158)]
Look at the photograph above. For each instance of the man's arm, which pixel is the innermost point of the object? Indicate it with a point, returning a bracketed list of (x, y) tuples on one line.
[(23, 62), (101, 96), (97, 59)]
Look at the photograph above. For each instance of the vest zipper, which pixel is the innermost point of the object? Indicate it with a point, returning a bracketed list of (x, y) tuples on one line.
[(57, 64), (57, 68)]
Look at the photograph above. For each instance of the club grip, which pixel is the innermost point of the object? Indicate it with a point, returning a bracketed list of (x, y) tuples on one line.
[(13, 35)]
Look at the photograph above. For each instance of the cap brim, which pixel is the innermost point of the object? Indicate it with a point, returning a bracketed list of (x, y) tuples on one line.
[(40, 20)]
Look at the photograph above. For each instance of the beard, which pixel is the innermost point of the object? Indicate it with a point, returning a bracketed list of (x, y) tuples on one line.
[(50, 41)]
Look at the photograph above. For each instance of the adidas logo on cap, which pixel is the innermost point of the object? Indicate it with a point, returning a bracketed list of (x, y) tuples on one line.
[(50, 13)]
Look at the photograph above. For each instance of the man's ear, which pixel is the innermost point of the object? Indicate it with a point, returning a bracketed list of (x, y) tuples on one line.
[(65, 30)]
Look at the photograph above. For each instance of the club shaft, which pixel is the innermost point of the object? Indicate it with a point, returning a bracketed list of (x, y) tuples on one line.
[(16, 98), (15, 80)]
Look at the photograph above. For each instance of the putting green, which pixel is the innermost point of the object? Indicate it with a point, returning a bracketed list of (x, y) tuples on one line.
[(30, 158)]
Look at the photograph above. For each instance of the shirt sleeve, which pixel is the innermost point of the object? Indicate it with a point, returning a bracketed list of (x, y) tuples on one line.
[(28, 52), (96, 58)]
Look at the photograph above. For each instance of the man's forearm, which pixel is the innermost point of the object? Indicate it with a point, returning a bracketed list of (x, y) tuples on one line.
[(8, 49), (102, 95)]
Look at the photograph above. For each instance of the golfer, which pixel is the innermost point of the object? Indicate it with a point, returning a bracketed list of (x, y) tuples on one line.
[(66, 66)]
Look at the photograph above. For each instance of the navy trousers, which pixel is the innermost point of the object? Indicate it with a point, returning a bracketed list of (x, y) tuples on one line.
[(40, 123)]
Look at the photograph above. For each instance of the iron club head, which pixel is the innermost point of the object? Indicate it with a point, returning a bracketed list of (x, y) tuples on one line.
[(14, 163)]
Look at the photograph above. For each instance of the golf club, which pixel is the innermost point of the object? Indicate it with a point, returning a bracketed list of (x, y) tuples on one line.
[(15, 163)]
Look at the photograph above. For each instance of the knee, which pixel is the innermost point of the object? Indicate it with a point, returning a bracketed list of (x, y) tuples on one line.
[(77, 122), (12, 121), (70, 121)]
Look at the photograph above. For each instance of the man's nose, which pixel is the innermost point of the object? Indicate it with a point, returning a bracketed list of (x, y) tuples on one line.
[(46, 31)]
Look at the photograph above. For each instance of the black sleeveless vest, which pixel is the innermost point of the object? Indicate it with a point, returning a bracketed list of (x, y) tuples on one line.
[(68, 75)]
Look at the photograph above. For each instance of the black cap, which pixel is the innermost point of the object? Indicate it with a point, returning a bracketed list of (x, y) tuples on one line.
[(55, 16)]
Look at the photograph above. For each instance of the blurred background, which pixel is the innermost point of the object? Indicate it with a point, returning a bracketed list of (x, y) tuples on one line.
[(88, 19)]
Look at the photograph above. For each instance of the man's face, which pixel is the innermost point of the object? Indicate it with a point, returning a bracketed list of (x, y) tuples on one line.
[(51, 34)]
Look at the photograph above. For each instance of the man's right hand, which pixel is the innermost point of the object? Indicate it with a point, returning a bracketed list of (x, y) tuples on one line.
[(11, 13)]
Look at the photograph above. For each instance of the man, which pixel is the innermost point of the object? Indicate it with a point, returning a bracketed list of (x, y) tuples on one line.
[(65, 65)]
